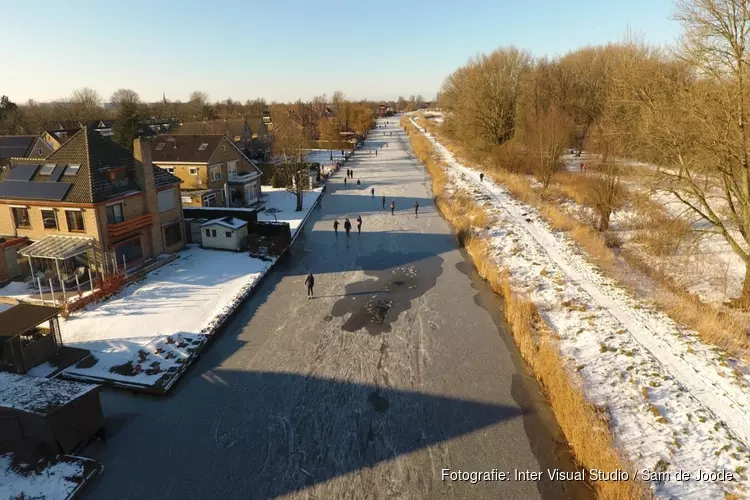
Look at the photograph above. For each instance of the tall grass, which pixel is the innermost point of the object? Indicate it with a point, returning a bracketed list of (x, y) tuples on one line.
[(585, 428)]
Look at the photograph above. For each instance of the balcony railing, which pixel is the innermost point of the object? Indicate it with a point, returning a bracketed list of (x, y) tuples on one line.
[(126, 227), (243, 177)]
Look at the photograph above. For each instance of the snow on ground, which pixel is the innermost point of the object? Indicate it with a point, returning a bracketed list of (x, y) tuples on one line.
[(44, 370), (163, 318), (284, 201), (38, 395), (706, 266), (56, 480), (673, 402), (18, 290)]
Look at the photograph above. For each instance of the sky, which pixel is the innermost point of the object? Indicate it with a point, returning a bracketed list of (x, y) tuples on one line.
[(288, 49)]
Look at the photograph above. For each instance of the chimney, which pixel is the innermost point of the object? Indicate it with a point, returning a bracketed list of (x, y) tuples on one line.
[(144, 175)]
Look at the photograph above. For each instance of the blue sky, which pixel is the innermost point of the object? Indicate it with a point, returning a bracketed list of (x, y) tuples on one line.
[(289, 49)]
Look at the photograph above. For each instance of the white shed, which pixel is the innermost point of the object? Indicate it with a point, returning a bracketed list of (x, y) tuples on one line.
[(226, 233)]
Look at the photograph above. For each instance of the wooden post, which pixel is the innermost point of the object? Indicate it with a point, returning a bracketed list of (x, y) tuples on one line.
[(59, 277), (52, 291), (124, 266), (78, 284), (41, 294), (31, 266)]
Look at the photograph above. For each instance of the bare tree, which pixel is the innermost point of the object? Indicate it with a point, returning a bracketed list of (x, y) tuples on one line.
[(289, 146), (86, 103), (481, 96), (696, 118), (546, 133), (330, 132), (125, 96)]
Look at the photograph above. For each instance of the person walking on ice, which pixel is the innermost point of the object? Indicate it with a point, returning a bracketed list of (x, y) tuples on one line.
[(336, 226), (416, 209), (359, 224), (481, 177), (310, 283), (376, 153), (347, 226), (383, 202), (359, 184), (393, 206), (372, 192)]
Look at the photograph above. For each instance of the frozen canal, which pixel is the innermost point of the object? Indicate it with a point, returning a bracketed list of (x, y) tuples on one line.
[(399, 368)]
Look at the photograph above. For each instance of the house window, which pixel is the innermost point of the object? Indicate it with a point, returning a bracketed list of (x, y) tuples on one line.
[(131, 251), (169, 169), (228, 234), (72, 170), (21, 217), (193, 170), (203, 146), (172, 234), (114, 214), (48, 219), (74, 219), (166, 200), (160, 146), (213, 233), (209, 200), (232, 167), (47, 169), (208, 233), (215, 173)]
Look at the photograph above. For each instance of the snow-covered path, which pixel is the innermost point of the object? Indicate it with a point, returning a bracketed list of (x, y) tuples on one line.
[(622, 346)]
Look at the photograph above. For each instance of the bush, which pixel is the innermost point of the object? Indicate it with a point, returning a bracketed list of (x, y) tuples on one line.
[(276, 181)]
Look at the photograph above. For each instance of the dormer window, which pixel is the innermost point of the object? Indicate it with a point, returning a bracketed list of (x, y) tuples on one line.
[(72, 169), (203, 146), (47, 169), (160, 146)]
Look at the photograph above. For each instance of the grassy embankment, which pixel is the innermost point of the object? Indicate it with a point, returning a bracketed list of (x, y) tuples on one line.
[(585, 428)]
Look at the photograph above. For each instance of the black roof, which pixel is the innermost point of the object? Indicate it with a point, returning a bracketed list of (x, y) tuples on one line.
[(16, 146)]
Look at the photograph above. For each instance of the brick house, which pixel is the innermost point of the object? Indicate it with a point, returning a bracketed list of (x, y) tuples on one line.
[(213, 170), (91, 204)]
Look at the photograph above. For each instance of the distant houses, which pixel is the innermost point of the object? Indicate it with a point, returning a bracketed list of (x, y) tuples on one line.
[(251, 135)]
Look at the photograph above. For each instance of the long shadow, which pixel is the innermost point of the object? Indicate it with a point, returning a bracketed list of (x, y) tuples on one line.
[(320, 429)]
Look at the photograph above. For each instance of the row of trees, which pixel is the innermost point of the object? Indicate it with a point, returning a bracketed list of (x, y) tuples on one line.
[(681, 108), (295, 125)]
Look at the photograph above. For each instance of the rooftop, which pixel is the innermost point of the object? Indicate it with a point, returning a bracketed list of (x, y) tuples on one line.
[(230, 222), (76, 172), (23, 317), (39, 395)]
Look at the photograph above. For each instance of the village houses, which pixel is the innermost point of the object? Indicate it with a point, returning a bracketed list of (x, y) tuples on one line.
[(213, 170)]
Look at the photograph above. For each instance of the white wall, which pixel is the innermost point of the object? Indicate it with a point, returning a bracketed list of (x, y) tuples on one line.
[(221, 241), (167, 200)]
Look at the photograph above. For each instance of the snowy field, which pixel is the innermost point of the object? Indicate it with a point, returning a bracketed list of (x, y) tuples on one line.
[(673, 403), (56, 480), (323, 156), (149, 330), (705, 265), (284, 201)]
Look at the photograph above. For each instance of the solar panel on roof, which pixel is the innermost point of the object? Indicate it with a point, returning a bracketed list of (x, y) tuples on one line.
[(22, 172), (56, 173), (52, 191)]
